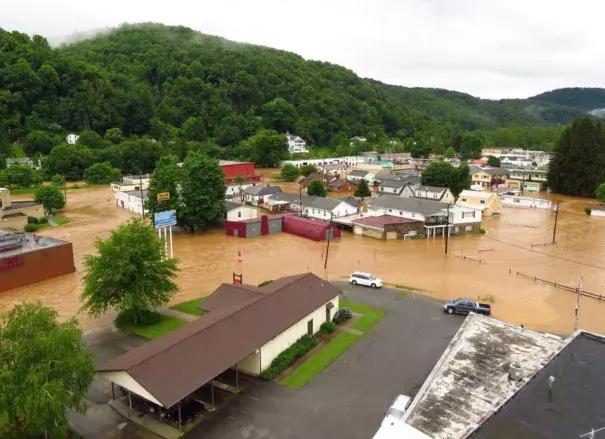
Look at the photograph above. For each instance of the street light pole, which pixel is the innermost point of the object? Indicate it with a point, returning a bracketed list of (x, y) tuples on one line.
[(447, 230), (329, 236), (554, 232), (300, 198)]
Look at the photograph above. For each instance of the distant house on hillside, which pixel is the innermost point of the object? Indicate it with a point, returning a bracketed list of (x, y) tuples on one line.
[(25, 161), (72, 139), (358, 139), (296, 145)]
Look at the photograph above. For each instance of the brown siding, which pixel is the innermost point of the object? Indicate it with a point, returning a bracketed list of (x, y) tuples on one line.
[(38, 266)]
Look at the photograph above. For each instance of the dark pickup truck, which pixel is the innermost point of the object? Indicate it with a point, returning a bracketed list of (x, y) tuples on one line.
[(464, 306)]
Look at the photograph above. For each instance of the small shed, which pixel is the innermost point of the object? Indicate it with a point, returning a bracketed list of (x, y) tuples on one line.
[(309, 228), (250, 228)]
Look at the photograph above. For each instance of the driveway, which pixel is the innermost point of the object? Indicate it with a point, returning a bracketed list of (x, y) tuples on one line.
[(349, 398)]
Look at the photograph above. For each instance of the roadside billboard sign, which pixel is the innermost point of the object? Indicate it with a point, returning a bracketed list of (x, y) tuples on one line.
[(164, 219), (163, 196)]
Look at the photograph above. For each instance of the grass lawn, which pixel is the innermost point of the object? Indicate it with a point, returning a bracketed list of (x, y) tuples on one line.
[(320, 360), (60, 220), (17, 151), (370, 317), (190, 307), (165, 325)]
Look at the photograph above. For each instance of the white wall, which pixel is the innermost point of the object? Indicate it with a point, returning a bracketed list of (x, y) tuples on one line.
[(407, 192), (129, 202), (369, 177), (343, 209), (233, 189), (125, 380), (242, 213), (464, 215), (250, 364), (378, 211), (274, 347), (389, 190), (595, 212)]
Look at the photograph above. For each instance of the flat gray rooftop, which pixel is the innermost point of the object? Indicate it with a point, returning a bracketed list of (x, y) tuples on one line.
[(14, 244), (471, 379), (577, 398)]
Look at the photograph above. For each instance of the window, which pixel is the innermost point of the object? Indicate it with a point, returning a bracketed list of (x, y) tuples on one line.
[(390, 210), (464, 199), (400, 212), (239, 214), (482, 201), (310, 327)]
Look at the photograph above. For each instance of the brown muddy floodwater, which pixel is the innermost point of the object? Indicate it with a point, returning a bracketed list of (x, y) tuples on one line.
[(208, 259)]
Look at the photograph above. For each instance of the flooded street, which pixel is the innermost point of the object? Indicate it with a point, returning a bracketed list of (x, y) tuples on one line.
[(208, 259)]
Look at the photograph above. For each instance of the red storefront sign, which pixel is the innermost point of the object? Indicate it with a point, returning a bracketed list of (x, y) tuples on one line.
[(10, 262)]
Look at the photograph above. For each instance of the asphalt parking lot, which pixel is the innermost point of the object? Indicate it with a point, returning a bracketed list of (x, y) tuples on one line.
[(349, 398)]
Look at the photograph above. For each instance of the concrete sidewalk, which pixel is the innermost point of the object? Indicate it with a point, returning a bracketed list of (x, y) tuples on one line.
[(169, 312)]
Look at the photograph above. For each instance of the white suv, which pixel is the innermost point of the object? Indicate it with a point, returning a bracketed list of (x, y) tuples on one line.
[(358, 278)]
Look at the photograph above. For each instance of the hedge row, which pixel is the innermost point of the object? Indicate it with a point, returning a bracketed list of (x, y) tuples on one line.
[(297, 350)]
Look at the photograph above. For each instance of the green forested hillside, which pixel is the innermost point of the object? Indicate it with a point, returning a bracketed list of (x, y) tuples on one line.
[(582, 98), (174, 83)]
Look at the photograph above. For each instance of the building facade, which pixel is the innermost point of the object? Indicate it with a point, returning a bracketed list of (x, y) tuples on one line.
[(296, 145), (488, 202), (131, 200)]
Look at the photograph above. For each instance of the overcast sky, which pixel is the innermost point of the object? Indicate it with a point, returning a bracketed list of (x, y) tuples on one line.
[(488, 48)]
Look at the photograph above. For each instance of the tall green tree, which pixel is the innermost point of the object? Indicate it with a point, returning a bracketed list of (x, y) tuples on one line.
[(114, 135), (578, 163), (23, 176), (268, 148), (450, 153), (437, 174), (163, 179), (460, 179), (289, 172), (51, 198), (102, 173), (130, 273), (363, 190), (317, 188), (470, 147), (202, 197), (306, 170), (493, 161), (46, 371), (68, 160), (600, 193), (38, 142)]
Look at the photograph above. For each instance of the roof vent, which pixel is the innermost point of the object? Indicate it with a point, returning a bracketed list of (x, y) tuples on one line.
[(515, 372)]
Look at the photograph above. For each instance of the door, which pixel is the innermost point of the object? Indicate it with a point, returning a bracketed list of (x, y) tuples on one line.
[(236, 233), (310, 327), (327, 314), (465, 307)]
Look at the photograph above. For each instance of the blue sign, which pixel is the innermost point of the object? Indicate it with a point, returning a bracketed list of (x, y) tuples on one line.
[(164, 219)]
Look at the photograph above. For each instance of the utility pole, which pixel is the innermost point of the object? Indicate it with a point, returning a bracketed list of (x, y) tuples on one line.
[(579, 290), (141, 189), (522, 180), (65, 189), (554, 232), (300, 198), (447, 230), (328, 246)]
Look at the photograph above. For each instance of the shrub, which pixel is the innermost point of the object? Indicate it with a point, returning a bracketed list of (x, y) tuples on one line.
[(32, 220), (481, 231), (265, 282), (588, 210), (249, 203), (31, 227), (43, 220), (146, 318), (327, 328), (289, 356)]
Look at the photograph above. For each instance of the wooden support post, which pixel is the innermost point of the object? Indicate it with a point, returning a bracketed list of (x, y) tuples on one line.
[(237, 376), (113, 394), (212, 392), (180, 421), (129, 400)]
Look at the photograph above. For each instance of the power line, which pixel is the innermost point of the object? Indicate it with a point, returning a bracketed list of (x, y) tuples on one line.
[(546, 255)]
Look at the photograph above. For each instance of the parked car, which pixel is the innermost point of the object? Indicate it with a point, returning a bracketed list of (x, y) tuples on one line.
[(366, 279), (464, 306)]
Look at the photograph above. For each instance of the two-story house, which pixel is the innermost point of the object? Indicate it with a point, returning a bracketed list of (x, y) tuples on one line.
[(487, 177), (259, 194), (527, 180), (72, 139), (488, 202), (296, 145), (442, 194)]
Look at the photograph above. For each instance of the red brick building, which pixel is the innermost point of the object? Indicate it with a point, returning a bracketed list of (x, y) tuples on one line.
[(239, 169), (26, 259)]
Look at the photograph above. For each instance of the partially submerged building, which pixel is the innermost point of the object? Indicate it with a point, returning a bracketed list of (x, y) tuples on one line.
[(13, 214), (27, 258)]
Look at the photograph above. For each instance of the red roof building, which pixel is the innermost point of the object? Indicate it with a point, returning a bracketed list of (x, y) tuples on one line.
[(239, 169), (308, 228)]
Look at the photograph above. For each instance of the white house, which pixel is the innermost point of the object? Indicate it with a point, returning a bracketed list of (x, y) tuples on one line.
[(315, 207), (244, 329), (335, 168), (442, 194), (131, 183), (25, 161), (358, 174), (72, 139), (296, 145), (233, 190), (259, 194), (348, 160), (465, 219), (239, 212), (396, 187), (357, 139), (410, 208), (131, 200)]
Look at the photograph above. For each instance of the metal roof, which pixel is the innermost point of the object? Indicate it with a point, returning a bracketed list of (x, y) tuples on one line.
[(471, 379), (417, 205), (358, 173), (382, 220), (262, 190), (136, 194), (395, 184), (174, 365)]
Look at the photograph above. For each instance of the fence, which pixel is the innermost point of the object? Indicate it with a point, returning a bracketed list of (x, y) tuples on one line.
[(561, 286), (463, 256)]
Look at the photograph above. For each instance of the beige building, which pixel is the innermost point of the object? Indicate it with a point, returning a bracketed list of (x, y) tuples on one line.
[(488, 202), (131, 183), (13, 214), (442, 194)]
